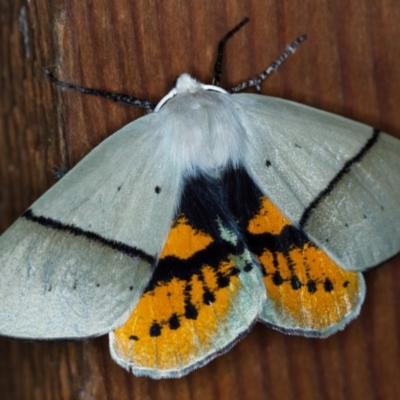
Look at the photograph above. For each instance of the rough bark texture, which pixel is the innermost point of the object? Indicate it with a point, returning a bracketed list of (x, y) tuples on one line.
[(350, 65)]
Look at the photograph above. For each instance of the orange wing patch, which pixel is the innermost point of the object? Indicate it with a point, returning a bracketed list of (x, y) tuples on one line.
[(184, 241), (176, 319), (306, 290), (268, 215)]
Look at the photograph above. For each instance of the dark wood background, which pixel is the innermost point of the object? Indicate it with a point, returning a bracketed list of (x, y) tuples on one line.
[(350, 65)]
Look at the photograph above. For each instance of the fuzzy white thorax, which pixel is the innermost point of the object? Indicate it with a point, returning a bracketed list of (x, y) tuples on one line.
[(201, 125)]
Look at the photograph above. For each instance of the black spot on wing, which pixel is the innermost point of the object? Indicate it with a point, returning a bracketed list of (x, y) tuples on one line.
[(248, 267), (173, 322), (155, 329), (295, 282), (208, 297), (328, 285), (277, 278), (311, 286)]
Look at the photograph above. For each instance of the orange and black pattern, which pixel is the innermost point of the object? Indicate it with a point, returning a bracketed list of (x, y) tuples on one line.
[(307, 292), (196, 283), (195, 298)]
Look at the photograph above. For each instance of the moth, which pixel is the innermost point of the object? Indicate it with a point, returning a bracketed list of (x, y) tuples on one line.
[(214, 211)]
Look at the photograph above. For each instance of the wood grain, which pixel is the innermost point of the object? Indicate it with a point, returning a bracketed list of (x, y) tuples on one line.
[(350, 65)]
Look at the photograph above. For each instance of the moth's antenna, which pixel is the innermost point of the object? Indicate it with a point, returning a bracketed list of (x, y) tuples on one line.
[(117, 97), (218, 62), (272, 68)]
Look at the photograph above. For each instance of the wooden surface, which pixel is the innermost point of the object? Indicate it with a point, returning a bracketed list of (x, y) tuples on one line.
[(350, 65)]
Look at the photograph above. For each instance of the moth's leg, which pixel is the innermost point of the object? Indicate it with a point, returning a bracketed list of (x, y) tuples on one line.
[(117, 97)]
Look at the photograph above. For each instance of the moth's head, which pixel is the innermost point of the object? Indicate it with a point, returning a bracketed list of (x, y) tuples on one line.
[(185, 84)]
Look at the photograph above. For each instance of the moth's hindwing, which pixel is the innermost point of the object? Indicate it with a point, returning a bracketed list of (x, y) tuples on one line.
[(205, 294), (307, 292)]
